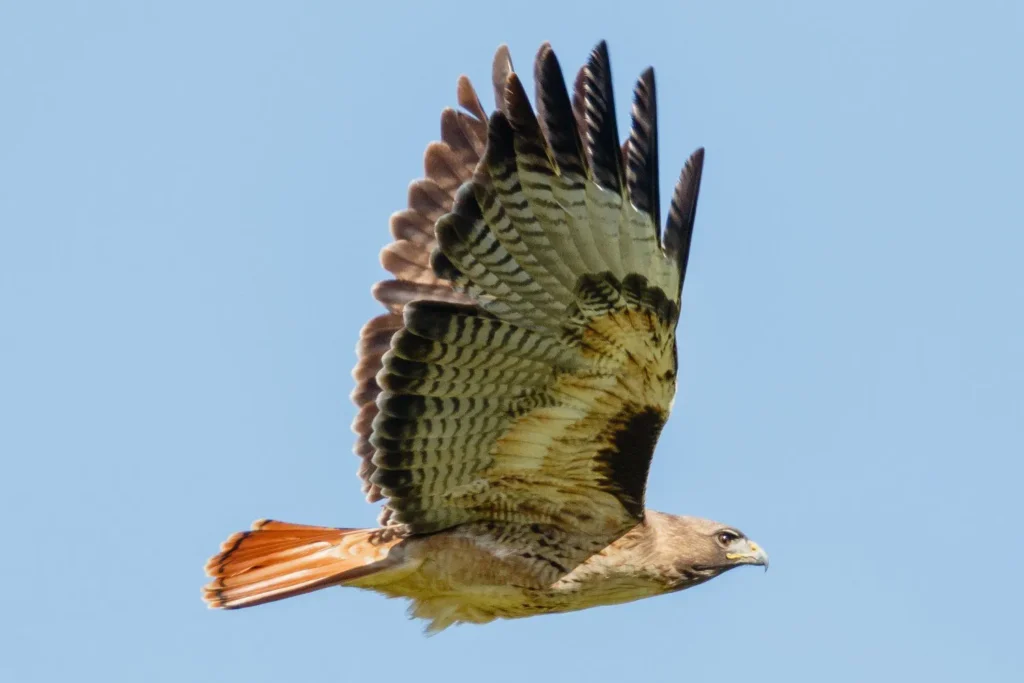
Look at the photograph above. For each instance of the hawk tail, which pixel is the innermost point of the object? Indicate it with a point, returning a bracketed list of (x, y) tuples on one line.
[(277, 560)]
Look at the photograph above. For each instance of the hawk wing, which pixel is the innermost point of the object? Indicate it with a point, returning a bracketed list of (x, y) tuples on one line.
[(528, 363)]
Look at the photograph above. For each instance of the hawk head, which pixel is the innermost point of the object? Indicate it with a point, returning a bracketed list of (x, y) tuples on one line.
[(701, 549)]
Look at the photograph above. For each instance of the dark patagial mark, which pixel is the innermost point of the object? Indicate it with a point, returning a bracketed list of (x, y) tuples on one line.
[(625, 463)]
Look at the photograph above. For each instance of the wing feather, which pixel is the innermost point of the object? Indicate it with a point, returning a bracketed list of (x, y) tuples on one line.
[(602, 130), (682, 212)]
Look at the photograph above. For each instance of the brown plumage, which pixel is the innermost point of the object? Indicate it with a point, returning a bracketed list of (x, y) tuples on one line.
[(510, 399)]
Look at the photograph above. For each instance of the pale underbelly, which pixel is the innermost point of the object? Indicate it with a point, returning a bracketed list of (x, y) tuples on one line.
[(479, 604)]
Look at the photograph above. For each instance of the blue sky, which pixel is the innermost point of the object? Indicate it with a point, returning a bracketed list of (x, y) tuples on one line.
[(192, 199)]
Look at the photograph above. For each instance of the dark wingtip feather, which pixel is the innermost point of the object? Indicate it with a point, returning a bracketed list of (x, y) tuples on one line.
[(601, 126), (443, 266), (642, 149), (555, 113), (683, 211), (466, 205), (542, 76), (517, 106), (500, 152)]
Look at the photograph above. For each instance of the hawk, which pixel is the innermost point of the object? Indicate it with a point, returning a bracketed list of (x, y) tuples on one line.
[(511, 397)]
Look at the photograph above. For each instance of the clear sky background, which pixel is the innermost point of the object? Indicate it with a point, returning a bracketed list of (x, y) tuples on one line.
[(192, 199)]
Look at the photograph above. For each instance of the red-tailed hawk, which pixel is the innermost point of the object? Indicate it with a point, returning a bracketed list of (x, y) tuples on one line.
[(511, 398)]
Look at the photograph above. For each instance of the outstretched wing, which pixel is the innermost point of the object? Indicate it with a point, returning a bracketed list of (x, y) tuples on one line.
[(531, 385)]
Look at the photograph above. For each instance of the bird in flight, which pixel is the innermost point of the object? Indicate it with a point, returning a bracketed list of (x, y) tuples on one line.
[(510, 399)]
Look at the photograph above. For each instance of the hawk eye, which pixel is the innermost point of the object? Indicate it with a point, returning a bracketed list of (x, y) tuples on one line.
[(727, 537)]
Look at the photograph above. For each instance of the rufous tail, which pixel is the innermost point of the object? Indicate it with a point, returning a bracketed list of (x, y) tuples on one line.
[(277, 560)]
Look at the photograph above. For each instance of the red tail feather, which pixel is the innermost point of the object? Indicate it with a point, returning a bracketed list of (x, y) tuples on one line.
[(277, 560)]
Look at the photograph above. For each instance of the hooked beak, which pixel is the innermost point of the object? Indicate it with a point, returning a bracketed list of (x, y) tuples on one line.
[(746, 551)]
